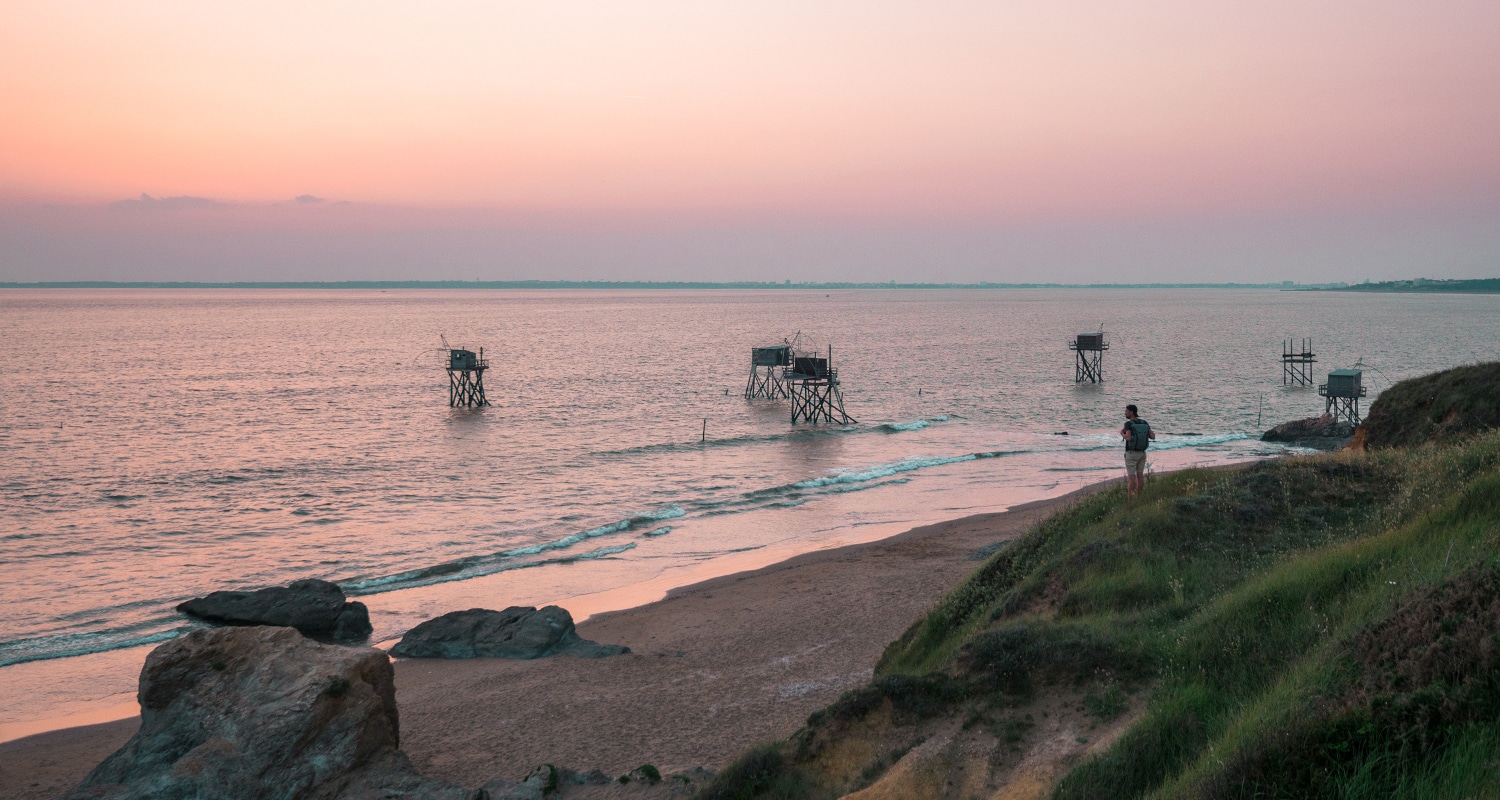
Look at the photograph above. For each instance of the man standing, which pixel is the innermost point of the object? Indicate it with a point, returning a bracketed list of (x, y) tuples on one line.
[(1137, 434)]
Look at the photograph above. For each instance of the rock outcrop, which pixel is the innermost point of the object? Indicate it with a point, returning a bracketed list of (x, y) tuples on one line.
[(263, 713), (542, 781), (1321, 432), (548, 781), (1446, 406), (314, 607), (517, 632)]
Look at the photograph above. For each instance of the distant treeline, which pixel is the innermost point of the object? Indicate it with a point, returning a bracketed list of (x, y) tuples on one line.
[(626, 285), (1478, 286)]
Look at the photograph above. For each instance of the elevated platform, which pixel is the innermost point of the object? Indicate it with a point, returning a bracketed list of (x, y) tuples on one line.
[(1088, 365), (466, 378), (814, 387), (1297, 359), (767, 365)]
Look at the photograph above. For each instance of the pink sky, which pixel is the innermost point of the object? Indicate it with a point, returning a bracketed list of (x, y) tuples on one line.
[(951, 115)]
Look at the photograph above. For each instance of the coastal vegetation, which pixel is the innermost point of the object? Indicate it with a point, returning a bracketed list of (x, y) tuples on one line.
[(1441, 407), (1318, 626), (1424, 285), (618, 285)]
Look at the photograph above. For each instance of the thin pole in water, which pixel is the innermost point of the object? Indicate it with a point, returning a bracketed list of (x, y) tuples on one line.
[(1257, 409), (705, 430)]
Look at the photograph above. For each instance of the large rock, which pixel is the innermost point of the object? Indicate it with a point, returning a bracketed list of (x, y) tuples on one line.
[(544, 781), (263, 713), (314, 607), (516, 632), (1321, 432)]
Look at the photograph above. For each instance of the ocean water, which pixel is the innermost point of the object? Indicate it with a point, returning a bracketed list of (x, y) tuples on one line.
[(159, 445)]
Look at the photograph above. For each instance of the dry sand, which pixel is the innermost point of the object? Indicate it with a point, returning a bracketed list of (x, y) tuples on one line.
[(716, 667)]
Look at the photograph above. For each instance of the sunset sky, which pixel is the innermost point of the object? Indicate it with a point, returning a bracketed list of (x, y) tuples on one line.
[(1001, 141)]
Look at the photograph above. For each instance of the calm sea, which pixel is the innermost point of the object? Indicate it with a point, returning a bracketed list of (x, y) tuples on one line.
[(163, 444)]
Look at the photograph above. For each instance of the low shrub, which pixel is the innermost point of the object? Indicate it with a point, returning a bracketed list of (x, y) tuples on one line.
[(1013, 657), (761, 772), (911, 698), (1106, 704), (1424, 676), (1441, 407)]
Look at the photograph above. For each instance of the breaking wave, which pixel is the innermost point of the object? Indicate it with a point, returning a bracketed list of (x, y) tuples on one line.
[(159, 627), (914, 425)]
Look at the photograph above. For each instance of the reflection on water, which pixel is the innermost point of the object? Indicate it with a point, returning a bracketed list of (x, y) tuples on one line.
[(162, 444)]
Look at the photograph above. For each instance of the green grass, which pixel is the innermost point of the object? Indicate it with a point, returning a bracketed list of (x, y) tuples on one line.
[(1107, 703), (1260, 693), (761, 772), (1444, 406), (1325, 626)]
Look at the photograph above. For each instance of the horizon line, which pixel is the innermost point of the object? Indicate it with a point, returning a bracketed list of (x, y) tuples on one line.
[(597, 284)]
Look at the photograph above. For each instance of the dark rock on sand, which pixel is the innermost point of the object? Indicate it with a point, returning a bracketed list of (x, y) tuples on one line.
[(544, 781), (1321, 432), (263, 713), (541, 782), (517, 632), (314, 607), (353, 624), (594, 777)]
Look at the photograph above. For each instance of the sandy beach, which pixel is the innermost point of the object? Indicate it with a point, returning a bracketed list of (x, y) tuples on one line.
[(715, 667)]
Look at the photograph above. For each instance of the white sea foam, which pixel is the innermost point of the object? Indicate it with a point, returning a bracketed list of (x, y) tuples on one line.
[(79, 644), (672, 511), (1197, 440), (507, 559), (882, 470), (600, 553), (914, 425)]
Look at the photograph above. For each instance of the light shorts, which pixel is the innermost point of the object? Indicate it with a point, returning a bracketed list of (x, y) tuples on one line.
[(1135, 462)]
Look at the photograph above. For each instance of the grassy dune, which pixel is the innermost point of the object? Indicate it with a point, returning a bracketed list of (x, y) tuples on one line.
[(1444, 406), (1326, 626)]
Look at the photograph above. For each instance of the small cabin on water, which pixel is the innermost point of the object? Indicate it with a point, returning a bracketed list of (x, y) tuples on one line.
[(1342, 393), (466, 378)]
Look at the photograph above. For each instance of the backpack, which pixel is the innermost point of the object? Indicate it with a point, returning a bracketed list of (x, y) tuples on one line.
[(1140, 434)]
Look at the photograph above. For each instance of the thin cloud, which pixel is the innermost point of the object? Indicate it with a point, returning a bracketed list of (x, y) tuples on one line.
[(180, 202)]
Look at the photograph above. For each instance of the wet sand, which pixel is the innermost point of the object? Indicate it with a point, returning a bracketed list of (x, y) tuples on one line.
[(716, 667)]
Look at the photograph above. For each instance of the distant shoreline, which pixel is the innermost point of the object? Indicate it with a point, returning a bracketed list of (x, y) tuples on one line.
[(1424, 286), (1418, 286), (633, 285)]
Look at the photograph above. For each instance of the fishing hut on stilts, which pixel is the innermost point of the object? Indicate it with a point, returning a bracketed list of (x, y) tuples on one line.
[(1342, 393), (767, 365), (813, 384), (1088, 356), (466, 377), (1296, 362)]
